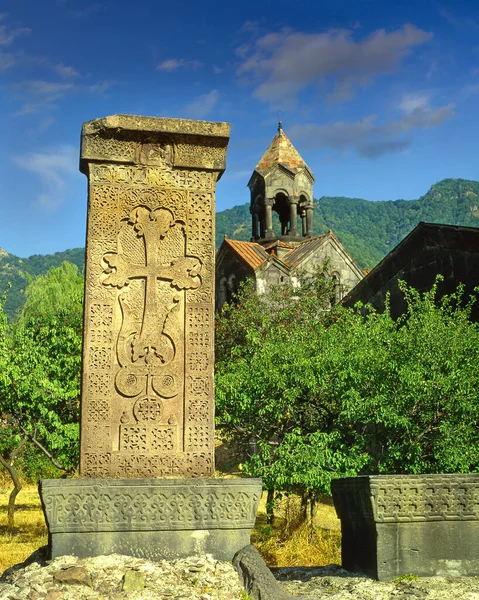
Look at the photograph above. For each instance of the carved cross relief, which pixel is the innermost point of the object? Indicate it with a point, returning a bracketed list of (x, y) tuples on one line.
[(151, 272)]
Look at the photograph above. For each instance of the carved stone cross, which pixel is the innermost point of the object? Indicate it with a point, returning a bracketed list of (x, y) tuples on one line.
[(183, 273)]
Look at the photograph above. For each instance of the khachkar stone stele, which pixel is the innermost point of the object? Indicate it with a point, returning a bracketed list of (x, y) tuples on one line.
[(147, 407), (147, 400)]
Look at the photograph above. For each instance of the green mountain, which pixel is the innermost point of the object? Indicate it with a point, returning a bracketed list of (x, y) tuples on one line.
[(368, 230), (16, 272)]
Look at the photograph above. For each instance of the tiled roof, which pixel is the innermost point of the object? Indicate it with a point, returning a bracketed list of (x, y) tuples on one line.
[(251, 252), (281, 151), (296, 256), (279, 243)]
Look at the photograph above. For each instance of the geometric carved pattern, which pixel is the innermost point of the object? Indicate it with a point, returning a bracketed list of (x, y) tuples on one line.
[(409, 498), (198, 361), (198, 408), (198, 436), (147, 438), (198, 385), (117, 505), (148, 336), (99, 409), (163, 439), (132, 438)]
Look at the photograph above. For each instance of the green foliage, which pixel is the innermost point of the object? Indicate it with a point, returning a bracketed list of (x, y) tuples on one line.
[(16, 273), (58, 292), (406, 578), (40, 357), (267, 386), (312, 394)]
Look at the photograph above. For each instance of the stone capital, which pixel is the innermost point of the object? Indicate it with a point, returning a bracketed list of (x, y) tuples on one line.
[(152, 141)]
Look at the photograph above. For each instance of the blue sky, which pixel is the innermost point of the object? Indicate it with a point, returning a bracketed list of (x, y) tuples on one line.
[(380, 98)]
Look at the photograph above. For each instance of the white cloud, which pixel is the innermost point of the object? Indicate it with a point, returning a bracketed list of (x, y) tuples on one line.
[(202, 105), (410, 102), (369, 138), (459, 21), (100, 87), (41, 127), (66, 72), (171, 65), (288, 61), (7, 35), (7, 61), (53, 167), (42, 95)]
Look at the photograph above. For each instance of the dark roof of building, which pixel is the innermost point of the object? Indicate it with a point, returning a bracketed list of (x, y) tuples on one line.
[(281, 152), (251, 252), (453, 237)]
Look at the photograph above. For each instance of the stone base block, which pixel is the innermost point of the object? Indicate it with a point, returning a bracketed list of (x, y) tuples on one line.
[(149, 518), (393, 525)]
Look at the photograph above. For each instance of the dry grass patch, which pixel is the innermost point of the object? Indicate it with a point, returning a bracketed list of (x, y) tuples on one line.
[(291, 543), (30, 529)]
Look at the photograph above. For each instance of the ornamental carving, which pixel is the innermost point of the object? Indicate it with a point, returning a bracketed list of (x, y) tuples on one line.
[(148, 337), (153, 506), (418, 498)]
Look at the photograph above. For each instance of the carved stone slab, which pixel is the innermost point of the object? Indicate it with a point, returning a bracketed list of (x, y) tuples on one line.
[(154, 518), (147, 380), (393, 525)]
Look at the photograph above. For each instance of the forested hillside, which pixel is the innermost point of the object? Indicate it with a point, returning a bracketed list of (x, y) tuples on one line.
[(16, 272), (368, 230)]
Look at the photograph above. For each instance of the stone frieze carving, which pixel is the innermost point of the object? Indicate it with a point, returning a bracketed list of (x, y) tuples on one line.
[(414, 498), (154, 505)]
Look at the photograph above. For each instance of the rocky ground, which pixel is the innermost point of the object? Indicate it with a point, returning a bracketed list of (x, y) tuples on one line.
[(116, 577), (203, 578), (334, 583)]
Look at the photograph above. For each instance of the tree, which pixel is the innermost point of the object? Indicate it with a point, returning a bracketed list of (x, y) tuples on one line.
[(312, 394), (40, 358), (268, 398)]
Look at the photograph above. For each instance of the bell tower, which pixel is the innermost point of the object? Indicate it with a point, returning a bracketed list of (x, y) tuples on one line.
[(281, 182)]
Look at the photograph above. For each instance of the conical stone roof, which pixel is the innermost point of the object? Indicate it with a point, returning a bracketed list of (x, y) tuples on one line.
[(281, 151)]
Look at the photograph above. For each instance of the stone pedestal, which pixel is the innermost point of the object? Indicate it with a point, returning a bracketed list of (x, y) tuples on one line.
[(150, 518), (393, 525)]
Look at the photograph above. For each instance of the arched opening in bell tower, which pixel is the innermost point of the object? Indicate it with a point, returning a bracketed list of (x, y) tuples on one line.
[(281, 208)]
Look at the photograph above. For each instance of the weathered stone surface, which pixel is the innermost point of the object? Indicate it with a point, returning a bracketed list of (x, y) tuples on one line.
[(393, 525), (147, 383), (151, 518), (77, 575), (257, 579), (133, 581)]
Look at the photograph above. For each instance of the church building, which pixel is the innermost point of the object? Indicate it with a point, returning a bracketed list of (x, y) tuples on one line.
[(281, 189)]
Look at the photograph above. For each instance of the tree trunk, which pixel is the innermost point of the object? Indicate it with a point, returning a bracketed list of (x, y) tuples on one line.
[(270, 507), (9, 464), (304, 507)]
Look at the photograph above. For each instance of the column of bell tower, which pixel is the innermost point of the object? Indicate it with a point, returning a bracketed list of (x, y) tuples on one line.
[(283, 183)]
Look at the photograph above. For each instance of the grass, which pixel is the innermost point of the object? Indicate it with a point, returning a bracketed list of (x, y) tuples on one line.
[(30, 530), (292, 543), (286, 543)]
